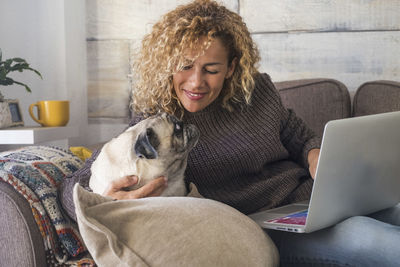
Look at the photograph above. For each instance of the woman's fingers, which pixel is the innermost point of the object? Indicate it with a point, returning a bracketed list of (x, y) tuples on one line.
[(151, 189), (120, 184), (116, 189)]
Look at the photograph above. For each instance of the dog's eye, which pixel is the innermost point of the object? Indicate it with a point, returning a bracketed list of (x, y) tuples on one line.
[(178, 128)]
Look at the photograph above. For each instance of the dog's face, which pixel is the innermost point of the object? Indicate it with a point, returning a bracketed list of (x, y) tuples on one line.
[(156, 146), (163, 136)]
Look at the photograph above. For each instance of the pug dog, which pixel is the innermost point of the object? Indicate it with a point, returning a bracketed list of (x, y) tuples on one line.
[(157, 146)]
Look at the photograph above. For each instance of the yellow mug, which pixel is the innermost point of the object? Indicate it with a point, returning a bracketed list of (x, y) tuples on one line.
[(51, 113)]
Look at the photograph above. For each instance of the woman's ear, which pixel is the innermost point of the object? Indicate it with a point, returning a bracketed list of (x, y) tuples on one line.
[(231, 68)]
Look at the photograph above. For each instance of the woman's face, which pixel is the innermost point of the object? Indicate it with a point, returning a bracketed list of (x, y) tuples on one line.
[(199, 84)]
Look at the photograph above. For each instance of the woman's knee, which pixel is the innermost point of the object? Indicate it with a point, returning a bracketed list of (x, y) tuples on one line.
[(355, 222), (362, 229), (356, 241), (390, 215), (368, 241)]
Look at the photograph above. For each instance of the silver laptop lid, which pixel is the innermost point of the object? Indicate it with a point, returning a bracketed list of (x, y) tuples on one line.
[(358, 170)]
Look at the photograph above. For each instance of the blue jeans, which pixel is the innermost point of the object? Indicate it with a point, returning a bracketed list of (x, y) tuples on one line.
[(372, 240)]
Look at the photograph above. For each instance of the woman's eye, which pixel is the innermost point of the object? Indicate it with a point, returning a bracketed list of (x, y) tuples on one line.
[(212, 71), (188, 67)]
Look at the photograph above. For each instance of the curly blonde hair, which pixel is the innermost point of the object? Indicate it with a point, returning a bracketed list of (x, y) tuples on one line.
[(162, 54)]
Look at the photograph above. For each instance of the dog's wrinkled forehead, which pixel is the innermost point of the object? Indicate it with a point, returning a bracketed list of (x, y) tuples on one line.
[(163, 120), (162, 126), (156, 134)]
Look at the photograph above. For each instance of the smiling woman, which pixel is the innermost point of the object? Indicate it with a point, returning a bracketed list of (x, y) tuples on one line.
[(199, 84), (201, 42)]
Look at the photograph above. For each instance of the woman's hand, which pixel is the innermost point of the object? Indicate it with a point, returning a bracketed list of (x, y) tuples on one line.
[(116, 189), (313, 156)]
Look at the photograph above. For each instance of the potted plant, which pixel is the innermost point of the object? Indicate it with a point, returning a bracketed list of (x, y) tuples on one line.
[(10, 113), (11, 65)]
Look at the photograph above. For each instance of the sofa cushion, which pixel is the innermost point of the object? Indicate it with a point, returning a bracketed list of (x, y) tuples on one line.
[(169, 231), (376, 97), (316, 101)]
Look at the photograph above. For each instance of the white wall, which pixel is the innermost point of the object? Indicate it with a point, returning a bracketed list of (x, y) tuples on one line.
[(51, 36)]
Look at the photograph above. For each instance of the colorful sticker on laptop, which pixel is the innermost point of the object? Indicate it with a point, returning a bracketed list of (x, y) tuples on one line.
[(295, 218)]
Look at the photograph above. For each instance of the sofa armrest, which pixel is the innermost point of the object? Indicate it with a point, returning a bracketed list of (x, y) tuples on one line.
[(376, 97), (21, 243)]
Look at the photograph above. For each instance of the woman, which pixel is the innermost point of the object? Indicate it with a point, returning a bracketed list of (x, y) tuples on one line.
[(199, 63)]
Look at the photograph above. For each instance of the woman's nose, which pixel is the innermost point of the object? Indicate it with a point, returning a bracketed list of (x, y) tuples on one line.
[(196, 78)]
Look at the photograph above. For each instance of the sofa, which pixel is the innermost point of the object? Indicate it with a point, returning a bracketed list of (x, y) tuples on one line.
[(316, 101)]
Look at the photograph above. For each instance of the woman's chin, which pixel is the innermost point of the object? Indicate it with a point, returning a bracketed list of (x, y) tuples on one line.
[(194, 108)]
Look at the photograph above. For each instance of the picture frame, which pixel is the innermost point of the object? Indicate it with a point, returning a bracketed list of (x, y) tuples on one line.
[(10, 113)]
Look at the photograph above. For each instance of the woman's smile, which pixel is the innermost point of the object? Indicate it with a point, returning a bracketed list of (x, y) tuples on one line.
[(198, 84), (194, 96)]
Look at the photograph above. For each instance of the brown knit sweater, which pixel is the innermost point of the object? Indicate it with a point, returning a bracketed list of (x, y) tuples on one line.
[(251, 158)]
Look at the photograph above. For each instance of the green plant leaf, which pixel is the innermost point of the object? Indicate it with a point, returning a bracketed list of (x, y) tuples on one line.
[(7, 63), (18, 59), (26, 86), (14, 64), (19, 67), (2, 74), (35, 71), (7, 81)]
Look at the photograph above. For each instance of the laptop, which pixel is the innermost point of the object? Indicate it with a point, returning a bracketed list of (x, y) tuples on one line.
[(358, 173)]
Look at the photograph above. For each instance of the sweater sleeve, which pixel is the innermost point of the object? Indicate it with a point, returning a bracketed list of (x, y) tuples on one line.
[(81, 176), (295, 135), (298, 138)]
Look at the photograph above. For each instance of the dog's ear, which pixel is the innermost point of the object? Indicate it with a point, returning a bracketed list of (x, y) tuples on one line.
[(143, 146)]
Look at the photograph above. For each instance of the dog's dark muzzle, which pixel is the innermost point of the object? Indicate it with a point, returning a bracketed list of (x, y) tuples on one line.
[(192, 135)]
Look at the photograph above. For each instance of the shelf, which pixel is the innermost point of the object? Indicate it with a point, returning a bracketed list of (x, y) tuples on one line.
[(34, 135)]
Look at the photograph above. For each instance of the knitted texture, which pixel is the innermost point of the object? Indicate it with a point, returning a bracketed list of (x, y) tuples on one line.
[(251, 158), (36, 172)]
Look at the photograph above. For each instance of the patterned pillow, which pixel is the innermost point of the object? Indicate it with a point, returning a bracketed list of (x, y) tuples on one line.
[(36, 172)]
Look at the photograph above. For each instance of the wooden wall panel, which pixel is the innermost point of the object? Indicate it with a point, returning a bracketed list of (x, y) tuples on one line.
[(317, 15), (108, 99), (351, 57), (129, 19), (108, 81)]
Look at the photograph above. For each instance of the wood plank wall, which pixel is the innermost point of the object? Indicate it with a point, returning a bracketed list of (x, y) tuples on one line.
[(353, 41)]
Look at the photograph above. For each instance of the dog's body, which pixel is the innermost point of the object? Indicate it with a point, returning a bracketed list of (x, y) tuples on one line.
[(157, 146)]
